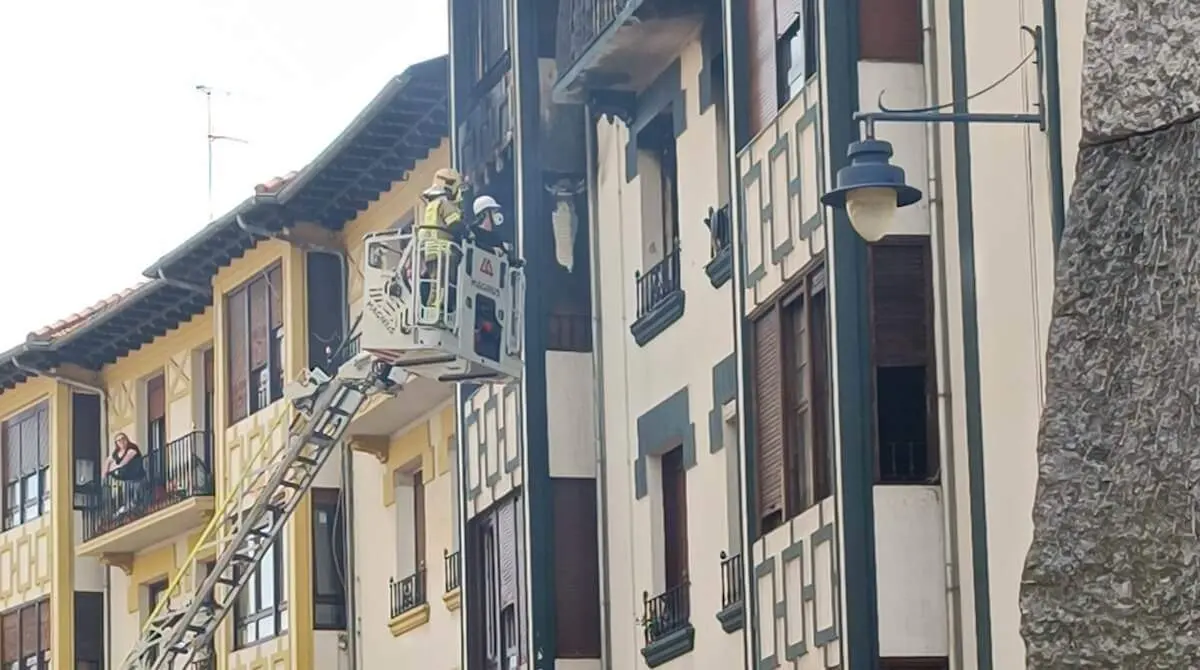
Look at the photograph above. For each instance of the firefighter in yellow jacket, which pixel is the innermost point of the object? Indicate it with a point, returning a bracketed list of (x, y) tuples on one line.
[(439, 227)]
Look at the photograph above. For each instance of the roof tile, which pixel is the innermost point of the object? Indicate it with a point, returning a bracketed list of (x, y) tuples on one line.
[(64, 326)]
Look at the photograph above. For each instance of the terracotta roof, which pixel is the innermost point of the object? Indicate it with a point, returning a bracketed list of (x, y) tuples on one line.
[(64, 326), (274, 184)]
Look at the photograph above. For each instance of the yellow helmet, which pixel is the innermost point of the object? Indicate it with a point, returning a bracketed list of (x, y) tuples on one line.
[(448, 179)]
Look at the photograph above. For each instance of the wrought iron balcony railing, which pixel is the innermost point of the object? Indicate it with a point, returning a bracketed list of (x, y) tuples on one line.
[(175, 472), (720, 229), (731, 580), (666, 612), (658, 283), (453, 564), (408, 593), (905, 463), (580, 22)]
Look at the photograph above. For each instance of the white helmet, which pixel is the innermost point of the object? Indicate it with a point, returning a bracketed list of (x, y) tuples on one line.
[(486, 203)]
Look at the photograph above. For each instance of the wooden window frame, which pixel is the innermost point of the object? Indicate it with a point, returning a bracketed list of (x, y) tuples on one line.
[(26, 658), (329, 526), (806, 449), (675, 519), (262, 384), (657, 139), (156, 411), (26, 468)]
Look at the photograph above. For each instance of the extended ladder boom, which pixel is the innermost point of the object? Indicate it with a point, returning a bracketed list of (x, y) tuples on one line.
[(253, 517)]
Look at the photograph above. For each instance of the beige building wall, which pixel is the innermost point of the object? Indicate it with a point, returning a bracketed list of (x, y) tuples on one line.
[(642, 386)]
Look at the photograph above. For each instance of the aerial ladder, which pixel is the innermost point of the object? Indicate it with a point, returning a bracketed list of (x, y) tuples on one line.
[(449, 311)]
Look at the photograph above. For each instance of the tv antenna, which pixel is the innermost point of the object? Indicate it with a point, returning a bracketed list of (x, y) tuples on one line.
[(212, 137)]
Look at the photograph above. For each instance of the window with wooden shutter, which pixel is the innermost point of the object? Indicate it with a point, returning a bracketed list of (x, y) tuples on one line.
[(768, 418), (255, 336), (238, 338), (822, 395), (156, 412), (675, 528), (10, 638), (797, 425), (26, 455), (44, 625), (902, 353), (31, 639), (761, 53), (507, 536), (418, 480)]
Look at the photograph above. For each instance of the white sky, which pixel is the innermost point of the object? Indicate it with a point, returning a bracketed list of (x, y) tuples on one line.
[(103, 152)]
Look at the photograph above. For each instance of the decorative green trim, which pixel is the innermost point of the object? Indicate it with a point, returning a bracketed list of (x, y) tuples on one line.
[(658, 319), (670, 646), (720, 268), (733, 618)]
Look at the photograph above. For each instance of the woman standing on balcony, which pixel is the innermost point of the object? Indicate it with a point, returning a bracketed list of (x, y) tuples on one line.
[(125, 470)]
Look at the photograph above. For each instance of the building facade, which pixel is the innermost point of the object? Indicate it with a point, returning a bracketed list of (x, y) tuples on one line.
[(744, 436)]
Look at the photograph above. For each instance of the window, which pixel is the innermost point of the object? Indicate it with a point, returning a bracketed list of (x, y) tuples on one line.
[(329, 560), (254, 332), (156, 413), (495, 622), (791, 402), (722, 110), (26, 454), (155, 594), (260, 612), (491, 36), (89, 630), (206, 371), (491, 592), (796, 53), (658, 168), (25, 637), (675, 529), (905, 390), (410, 522)]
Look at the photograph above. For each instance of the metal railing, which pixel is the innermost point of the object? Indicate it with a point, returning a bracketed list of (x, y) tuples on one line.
[(453, 565), (580, 22), (180, 470), (720, 230), (408, 593), (658, 283), (905, 463), (666, 612), (731, 580)]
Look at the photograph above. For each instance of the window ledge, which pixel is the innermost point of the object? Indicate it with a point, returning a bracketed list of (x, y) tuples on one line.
[(720, 268), (733, 617), (670, 646), (414, 618), (658, 319), (453, 599)]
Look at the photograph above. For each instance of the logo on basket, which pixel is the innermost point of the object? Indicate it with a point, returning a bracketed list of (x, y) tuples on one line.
[(485, 266)]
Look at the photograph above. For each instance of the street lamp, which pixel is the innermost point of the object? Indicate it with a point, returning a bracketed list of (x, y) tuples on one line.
[(870, 189)]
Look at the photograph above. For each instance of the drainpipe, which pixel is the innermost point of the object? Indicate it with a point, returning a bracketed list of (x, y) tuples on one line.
[(50, 374), (1053, 112), (598, 391), (350, 580), (937, 216)]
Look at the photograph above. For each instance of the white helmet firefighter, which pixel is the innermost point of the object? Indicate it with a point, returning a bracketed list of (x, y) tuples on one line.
[(488, 218)]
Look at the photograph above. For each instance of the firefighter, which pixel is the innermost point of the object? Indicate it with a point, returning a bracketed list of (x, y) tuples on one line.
[(488, 218), (441, 221)]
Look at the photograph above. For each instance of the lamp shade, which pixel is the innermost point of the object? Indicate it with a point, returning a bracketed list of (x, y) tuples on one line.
[(870, 189)]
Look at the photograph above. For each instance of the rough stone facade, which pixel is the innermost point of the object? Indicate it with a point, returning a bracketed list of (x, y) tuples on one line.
[(1112, 579)]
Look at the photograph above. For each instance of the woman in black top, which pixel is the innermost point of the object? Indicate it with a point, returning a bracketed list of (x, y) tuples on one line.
[(126, 472)]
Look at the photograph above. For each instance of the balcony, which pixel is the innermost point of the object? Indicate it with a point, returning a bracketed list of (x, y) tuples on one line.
[(453, 593), (409, 608), (621, 45), (733, 612), (720, 229), (660, 298), (176, 496), (666, 625)]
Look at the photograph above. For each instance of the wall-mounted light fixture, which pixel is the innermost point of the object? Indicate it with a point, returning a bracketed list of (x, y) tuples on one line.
[(871, 189)]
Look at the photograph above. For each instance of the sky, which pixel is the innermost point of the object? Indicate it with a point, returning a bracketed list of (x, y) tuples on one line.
[(103, 156)]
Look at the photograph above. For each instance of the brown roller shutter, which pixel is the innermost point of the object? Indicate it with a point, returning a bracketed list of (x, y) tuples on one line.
[(507, 535), (890, 30), (239, 370), (156, 398), (899, 302), (89, 625), (576, 568), (10, 637), (260, 350), (30, 639), (763, 81), (768, 415), (29, 445), (674, 491), (275, 281)]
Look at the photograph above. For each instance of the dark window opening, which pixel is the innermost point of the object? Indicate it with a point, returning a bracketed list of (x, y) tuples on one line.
[(156, 413), (675, 521), (796, 54), (329, 560), (657, 138)]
